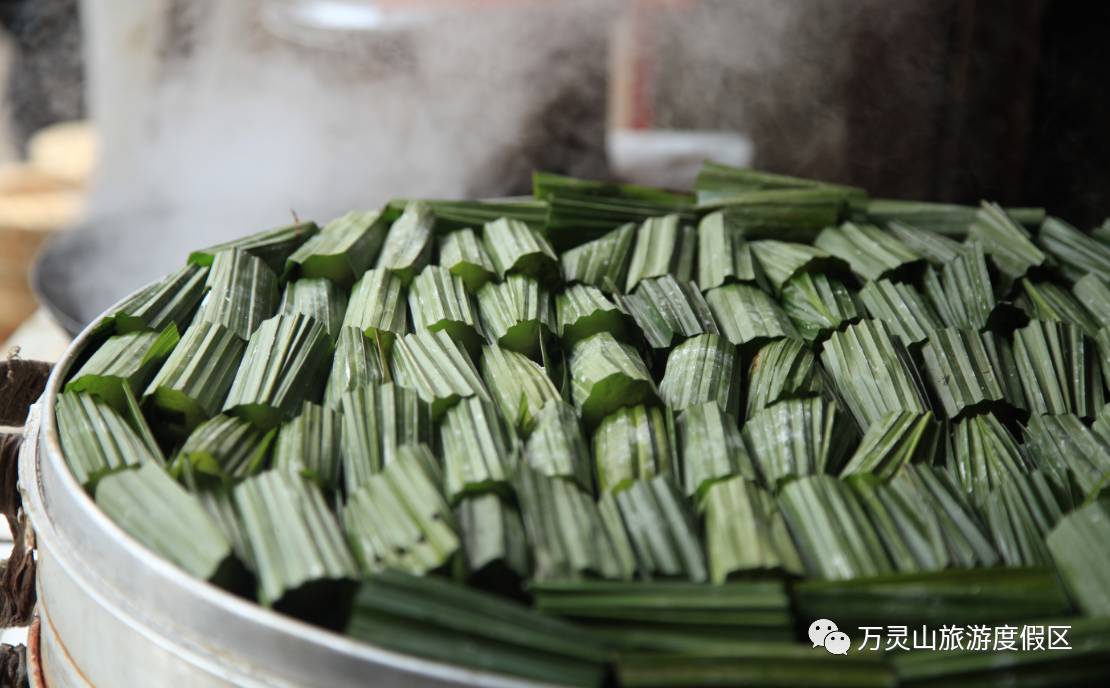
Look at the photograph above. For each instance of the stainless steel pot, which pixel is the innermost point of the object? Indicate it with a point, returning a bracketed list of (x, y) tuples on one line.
[(114, 615)]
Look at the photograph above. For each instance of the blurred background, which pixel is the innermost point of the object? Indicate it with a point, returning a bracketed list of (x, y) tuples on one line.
[(134, 130)]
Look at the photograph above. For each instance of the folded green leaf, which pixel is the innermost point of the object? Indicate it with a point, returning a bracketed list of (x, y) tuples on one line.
[(747, 315), (1101, 426), (170, 300), (784, 214), (227, 447), (305, 568), (893, 441), (781, 260), (934, 247), (1078, 546), (912, 539), (717, 180), (1102, 347), (438, 300), (1047, 301), (1001, 352), (516, 248), (316, 297), (547, 184), (409, 243), (452, 214), (1076, 253), (462, 253), (309, 445), (664, 246), (377, 419), (904, 310), (493, 538), (1006, 241), (344, 249), (665, 614), (783, 369), (871, 252), (398, 519), (818, 304), (1101, 233), (377, 307), (932, 493), (519, 386), (960, 372), (125, 360), (665, 308), (1059, 369), (479, 450), (943, 218), (962, 293), (797, 437), (635, 443), (834, 537), (1094, 293), (153, 508), (711, 448), (701, 369), (723, 253), (284, 365), (273, 246), (221, 509), (662, 530), (1066, 448), (133, 415), (873, 372), (557, 446), (516, 313), (744, 531), (193, 382), (936, 598), (583, 311), (603, 262), (424, 616), (242, 292), (984, 455), (607, 375), (1019, 515), (96, 439), (437, 369), (357, 363), (569, 536), (575, 218), (716, 177)]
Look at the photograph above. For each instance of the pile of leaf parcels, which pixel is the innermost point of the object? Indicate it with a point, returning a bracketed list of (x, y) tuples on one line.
[(617, 434)]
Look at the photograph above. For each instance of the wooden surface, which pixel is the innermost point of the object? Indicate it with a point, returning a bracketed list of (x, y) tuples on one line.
[(17, 302), (38, 338), (38, 197)]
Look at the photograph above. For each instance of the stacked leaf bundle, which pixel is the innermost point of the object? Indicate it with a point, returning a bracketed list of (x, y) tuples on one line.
[(623, 433)]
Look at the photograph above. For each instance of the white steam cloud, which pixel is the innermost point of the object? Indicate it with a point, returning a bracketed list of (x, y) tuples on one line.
[(217, 121)]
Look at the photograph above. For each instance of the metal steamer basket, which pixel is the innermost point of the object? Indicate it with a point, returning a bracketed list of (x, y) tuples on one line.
[(112, 613)]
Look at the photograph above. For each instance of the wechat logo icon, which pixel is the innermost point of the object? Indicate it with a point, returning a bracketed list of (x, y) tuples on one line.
[(824, 633)]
